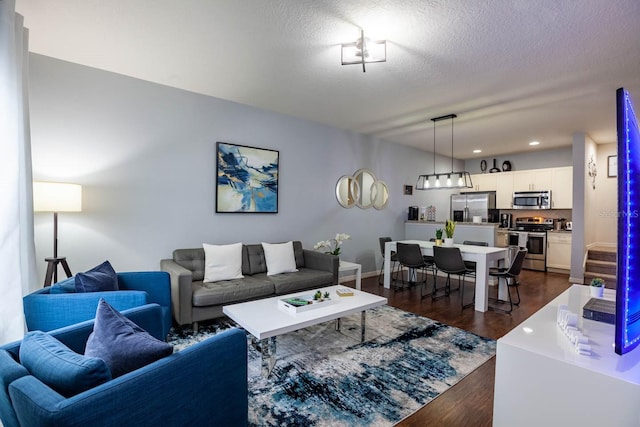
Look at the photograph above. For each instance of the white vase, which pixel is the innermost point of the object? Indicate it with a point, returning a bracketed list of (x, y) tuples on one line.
[(597, 291), (448, 242)]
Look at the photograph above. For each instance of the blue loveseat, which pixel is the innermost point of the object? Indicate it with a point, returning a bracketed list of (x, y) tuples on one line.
[(46, 311), (205, 384)]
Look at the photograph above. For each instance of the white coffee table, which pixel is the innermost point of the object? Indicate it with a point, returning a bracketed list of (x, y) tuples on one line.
[(265, 320)]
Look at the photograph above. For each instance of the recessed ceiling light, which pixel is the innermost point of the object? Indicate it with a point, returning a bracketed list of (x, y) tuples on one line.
[(534, 143), (477, 151)]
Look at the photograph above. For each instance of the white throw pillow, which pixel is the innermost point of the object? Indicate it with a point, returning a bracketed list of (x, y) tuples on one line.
[(222, 262), (279, 258)]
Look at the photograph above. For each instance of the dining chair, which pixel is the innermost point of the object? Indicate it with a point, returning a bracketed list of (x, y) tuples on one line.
[(410, 256), (394, 259), (471, 265), (449, 260), (510, 275)]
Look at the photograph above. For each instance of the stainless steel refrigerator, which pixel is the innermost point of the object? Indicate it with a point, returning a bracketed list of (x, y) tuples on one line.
[(465, 206)]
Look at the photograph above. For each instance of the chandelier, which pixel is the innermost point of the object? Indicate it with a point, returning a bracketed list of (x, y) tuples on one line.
[(444, 180)]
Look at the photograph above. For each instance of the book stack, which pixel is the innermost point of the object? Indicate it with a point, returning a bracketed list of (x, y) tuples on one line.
[(344, 292)]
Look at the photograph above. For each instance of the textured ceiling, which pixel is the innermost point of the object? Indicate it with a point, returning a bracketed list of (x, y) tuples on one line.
[(513, 71)]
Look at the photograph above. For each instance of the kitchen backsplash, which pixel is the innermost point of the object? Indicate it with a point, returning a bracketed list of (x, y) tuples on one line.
[(546, 213)]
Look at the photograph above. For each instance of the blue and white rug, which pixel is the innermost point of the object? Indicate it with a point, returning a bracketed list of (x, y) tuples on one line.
[(325, 377)]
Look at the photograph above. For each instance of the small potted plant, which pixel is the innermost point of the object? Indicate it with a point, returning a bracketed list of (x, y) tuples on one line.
[(439, 237), (449, 228), (597, 287)]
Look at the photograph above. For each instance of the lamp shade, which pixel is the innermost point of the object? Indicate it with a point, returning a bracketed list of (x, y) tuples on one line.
[(57, 197)]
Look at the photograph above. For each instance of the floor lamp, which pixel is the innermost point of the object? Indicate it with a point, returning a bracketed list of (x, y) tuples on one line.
[(56, 197)]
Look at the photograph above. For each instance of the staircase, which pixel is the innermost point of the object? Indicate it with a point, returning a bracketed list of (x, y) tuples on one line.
[(601, 262)]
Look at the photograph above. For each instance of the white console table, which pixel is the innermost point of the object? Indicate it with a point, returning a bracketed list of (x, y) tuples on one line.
[(542, 380)]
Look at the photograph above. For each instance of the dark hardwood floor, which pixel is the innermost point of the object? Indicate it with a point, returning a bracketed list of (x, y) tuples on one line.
[(470, 402)]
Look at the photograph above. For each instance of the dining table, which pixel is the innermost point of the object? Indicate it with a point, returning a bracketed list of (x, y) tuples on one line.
[(483, 256)]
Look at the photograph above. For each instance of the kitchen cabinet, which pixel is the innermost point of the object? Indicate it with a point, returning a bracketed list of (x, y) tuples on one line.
[(504, 190), (559, 250), (532, 180), (562, 188), (483, 182), (558, 180)]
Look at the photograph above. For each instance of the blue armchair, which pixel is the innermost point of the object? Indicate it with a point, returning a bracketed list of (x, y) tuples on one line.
[(45, 311), (205, 384)]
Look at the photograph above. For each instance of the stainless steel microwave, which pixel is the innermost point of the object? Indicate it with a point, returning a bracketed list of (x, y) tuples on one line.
[(532, 200)]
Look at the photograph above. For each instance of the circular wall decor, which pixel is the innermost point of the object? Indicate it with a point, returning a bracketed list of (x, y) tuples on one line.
[(506, 166), (483, 166)]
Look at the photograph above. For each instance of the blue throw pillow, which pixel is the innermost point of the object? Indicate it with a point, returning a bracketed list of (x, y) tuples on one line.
[(64, 286), (122, 344), (59, 367), (100, 278)]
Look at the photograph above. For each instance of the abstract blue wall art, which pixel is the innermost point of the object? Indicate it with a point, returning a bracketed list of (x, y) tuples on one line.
[(247, 179)]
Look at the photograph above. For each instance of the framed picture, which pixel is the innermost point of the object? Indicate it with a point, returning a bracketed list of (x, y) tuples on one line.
[(246, 179), (612, 166), (408, 190)]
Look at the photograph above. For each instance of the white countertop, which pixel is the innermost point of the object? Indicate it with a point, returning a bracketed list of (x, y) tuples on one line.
[(461, 224), (540, 334)]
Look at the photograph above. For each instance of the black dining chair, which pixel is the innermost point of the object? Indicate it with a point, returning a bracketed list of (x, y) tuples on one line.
[(449, 260), (510, 275), (394, 259), (410, 256), (470, 264)]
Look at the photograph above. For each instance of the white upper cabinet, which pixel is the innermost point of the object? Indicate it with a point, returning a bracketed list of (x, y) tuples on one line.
[(504, 190), (558, 180), (483, 182), (532, 180), (562, 188)]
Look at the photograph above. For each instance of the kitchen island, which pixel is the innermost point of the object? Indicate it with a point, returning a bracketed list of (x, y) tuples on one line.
[(477, 232)]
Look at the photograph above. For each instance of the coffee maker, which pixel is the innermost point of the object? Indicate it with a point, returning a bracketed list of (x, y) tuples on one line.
[(413, 213), (505, 220)]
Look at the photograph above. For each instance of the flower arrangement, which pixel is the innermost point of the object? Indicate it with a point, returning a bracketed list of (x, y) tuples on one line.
[(449, 228), (332, 246)]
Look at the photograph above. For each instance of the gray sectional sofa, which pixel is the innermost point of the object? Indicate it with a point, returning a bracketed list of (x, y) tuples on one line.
[(193, 300)]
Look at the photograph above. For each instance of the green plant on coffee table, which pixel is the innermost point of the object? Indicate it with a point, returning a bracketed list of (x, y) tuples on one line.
[(439, 234), (317, 296), (449, 228), (327, 295), (597, 282)]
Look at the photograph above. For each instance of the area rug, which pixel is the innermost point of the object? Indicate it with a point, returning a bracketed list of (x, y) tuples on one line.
[(325, 377)]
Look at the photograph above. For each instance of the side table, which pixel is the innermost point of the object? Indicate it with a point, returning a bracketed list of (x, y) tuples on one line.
[(351, 266)]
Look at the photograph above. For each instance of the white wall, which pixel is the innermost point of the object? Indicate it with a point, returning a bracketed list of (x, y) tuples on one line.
[(591, 201), (594, 209), (145, 155), (579, 151), (606, 196), (532, 159)]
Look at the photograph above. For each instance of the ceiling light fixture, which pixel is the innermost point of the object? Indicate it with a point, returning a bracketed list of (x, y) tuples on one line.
[(464, 178), (477, 151), (364, 51), (534, 143)]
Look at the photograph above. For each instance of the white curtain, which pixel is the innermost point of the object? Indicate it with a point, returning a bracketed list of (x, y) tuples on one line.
[(17, 249)]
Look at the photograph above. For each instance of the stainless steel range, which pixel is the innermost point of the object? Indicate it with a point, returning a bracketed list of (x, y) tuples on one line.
[(531, 232)]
